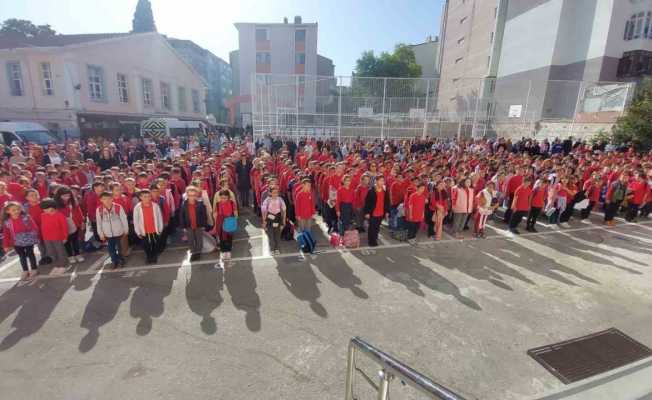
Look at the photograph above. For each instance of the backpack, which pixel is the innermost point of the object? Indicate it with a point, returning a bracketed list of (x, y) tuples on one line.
[(24, 239), (307, 243), (230, 224), (618, 194), (335, 239), (351, 239)]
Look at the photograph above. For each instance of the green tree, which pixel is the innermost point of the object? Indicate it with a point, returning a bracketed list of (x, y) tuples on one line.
[(23, 28), (635, 127), (401, 63), (143, 18)]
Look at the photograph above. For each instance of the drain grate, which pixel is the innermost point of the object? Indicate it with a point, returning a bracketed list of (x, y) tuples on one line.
[(590, 355)]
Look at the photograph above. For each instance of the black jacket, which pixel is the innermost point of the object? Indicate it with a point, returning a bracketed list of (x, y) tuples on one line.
[(242, 171), (370, 202), (200, 210)]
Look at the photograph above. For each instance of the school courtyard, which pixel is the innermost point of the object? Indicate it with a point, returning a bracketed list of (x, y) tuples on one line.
[(461, 312)]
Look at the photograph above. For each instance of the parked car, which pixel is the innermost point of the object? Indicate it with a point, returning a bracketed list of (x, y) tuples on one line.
[(22, 132)]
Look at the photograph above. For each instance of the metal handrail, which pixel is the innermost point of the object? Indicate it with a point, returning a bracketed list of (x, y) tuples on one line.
[(392, 367)]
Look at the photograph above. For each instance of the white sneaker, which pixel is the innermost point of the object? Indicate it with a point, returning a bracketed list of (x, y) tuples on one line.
[(80, 258), (72, 260), (565, 225)]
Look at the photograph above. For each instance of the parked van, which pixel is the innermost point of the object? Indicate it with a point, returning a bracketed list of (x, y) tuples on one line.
[(22, 132)]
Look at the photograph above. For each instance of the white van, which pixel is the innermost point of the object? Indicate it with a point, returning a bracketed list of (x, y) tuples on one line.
[(22, 132)]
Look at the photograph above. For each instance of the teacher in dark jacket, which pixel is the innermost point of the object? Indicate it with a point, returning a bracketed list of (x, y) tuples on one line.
[(376, 208), (242, 171)]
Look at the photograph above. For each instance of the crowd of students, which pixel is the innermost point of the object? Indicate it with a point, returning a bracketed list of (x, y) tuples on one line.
[(66, 197)]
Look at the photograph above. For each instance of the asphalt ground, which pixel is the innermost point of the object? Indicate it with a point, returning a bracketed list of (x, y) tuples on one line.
[(462, 312)]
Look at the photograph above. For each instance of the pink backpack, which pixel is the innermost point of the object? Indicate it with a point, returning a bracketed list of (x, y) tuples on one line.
[(351, 239), (335, 239)]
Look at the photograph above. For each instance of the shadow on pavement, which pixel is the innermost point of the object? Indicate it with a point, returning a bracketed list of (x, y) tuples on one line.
[(410, 272), (36, 301), (204, 295)]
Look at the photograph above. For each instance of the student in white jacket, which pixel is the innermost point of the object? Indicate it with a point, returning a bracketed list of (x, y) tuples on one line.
[(112, 225), (148, 224)]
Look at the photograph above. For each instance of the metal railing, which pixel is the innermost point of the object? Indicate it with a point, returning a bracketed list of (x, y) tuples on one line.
[(391, 368)]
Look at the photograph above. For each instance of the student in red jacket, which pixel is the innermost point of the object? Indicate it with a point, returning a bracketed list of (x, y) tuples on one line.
[(91, 203), (539, 195), (520, 204), (415, 210), (304, 206), (592, 188), (54, 231), (358, 201), (21, 233), (67, 205), (344, 204), (636, 194)]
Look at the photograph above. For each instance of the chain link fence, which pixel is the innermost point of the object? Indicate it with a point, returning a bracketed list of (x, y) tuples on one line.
[(293, 106)]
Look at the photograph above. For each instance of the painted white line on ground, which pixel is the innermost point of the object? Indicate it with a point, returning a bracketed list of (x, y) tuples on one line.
[(9, 264), (364, 249)]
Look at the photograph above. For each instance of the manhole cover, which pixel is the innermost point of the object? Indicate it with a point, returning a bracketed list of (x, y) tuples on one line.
[(590, 355)]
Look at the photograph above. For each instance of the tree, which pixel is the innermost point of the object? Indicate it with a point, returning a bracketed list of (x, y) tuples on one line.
[(143, 18), (635, 127), (23, 28), (401, 63)]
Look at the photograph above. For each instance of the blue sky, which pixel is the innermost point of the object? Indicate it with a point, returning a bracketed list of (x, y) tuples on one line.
[(346, 27)]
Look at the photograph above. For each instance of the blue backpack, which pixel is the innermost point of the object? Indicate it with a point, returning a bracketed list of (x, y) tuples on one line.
[(307, 243), (230, 224)]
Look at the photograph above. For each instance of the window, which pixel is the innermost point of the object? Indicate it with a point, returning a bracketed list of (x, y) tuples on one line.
[(460, 40), (96, 83), (166, 102), (123, 90), (488, 61), (463, 20), (300, 58), (261, 34), (639, 26), (459, 60), (300, 35), (46, 74), (181, 98), (15, 76), (495, 12), (646, 30), (629, 34), (455, 80), (263, 58), (195, 101), (491, 38), (148, 95)]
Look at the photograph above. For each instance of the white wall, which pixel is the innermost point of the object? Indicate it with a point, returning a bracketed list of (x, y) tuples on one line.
[(530, 38)]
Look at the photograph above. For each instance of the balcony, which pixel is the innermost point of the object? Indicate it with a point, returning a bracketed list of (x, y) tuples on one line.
[(263, 45), (263, 68), (300, 47), (300, 69)]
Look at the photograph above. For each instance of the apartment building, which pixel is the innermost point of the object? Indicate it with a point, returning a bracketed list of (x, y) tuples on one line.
[(427, 56), (215, 71), (97, 84), (286, 52), (541, 56), (469, 40)]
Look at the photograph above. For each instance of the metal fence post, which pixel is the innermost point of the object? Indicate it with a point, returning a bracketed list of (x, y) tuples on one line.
[(425, 114), (383, 387), (527, 101), (350, 372), (339, 110), (296, 110), (382, 121), (580, 92)]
